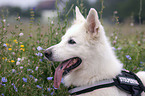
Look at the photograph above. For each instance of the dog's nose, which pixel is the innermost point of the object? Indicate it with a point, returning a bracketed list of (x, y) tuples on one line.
[(48, 53)]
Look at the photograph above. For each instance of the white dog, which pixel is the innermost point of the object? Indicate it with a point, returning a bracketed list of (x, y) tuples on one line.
[(87, 57)]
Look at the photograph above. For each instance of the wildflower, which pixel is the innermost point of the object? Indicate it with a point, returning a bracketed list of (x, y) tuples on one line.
[(4, 79), (54, 87), (2, 94), (21, 34), (131, 24), (62, 81), (49, 89), (115, 12), (13, 70), (5, 45), (52, 22), (52, 93), (35, 79), (21, 45), (21, 67), (15, 88), (49, 78), (39, 86), (30, 70), (30, 76), (15, 41), (114, 42), (39, 48), (56, 33), (17, 63), (19, 17), (40, 60), (4, 20), (141, 62), (22, 49), (3, 84), (19, 59), (13, 53), (24, 79), (4, 29), (119, 48), (39, 54), (128, 57), (114, 48), (36, 68), (12, 61), (9, 48)]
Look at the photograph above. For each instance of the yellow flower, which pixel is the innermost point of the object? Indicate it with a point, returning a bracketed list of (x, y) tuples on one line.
[(4, 58), (21, 45), (12, 61), (10, 49), (7, 44), (15, 41), (23, 49)]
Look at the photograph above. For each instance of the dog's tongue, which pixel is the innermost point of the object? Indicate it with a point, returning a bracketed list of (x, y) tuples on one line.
[(58, 73)]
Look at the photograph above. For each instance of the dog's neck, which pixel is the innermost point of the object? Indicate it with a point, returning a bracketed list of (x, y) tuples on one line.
[(99, 65)]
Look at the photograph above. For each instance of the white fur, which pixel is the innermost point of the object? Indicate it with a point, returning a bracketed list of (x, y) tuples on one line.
[(98, 59)]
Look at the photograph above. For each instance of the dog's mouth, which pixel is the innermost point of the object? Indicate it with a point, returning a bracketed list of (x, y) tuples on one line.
[(64, 68)]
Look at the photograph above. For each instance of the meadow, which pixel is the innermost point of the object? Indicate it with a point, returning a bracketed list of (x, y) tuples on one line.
[(25, 72)]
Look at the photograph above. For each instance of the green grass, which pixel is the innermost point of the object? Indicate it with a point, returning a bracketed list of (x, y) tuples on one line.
[(28, 77)]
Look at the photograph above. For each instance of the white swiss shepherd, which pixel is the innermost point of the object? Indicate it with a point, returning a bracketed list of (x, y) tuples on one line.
[(86, 50)]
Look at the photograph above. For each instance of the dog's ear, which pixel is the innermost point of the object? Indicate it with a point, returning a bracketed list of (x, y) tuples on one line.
[(93, 21), (79, 16)]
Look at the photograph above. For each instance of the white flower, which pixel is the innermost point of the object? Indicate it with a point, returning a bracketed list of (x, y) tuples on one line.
[(39, 54), (39, 48), (36, 80), (5, 45), (36, 68), (21, 34), (21, 67), (4, 20), (19, 59), (17, 63)]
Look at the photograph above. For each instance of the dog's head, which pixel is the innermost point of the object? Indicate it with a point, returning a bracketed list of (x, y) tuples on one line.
[(77, 45)]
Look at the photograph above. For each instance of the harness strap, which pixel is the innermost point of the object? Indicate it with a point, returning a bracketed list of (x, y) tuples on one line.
[(85, 89)]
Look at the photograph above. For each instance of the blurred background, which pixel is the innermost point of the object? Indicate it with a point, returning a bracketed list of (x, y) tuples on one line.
[(128, 11)]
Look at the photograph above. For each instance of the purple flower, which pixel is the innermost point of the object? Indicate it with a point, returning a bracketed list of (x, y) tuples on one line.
[(39, 54), (40, 60), (54, 87), (114, 48), (5, 45), (4, 79), (49, 89), (36, 68), (52, 93), (24, 79), (15, 88), (49, 78), (30, 70), (30, 76), (62, 81), (2, 94), (13, 70), (39, 86), (39, 48), (128, 57), (3, 84)]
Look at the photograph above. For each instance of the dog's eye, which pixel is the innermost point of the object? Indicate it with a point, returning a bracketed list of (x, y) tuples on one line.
[(71, 41)]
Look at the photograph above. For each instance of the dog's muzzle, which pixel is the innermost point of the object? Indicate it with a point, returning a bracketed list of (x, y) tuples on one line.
[(48, 54)]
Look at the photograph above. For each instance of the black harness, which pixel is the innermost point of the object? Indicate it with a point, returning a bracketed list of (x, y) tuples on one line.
[(126, 81)]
